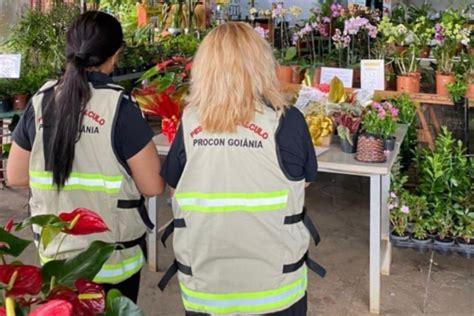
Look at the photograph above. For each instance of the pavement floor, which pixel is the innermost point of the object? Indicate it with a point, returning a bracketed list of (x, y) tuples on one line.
[(339, 207)]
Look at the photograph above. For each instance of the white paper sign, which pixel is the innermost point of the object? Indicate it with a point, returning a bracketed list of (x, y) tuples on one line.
[(372, 74), (327, 74), (358, 2), (10, 66)]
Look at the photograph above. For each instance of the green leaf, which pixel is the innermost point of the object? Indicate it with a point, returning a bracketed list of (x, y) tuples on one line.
[(148, 74), (48, 233), (84, 265), (290, 54), (42, 221), (14, 246), (111, 295), (123, 306)]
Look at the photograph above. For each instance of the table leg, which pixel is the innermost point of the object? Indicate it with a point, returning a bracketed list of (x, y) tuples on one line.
[(374, 257), (385, 226), (153, 236)]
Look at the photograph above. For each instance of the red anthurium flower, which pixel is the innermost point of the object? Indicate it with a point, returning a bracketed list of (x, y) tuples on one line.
[(188, 66), (3, 312), (21, 280), (54, 308), (91, 296), (83, 222), (9, 225)]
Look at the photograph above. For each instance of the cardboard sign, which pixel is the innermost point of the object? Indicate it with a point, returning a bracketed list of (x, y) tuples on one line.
[(372, 74), (10, 65), (345, 75)]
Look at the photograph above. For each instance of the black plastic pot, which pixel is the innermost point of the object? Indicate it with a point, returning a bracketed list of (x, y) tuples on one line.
[(400, 238), (5, 105), (459, 106), (446, 242), (347, 147), (389, 143)]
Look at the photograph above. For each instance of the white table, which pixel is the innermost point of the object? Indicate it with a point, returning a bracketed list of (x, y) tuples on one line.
[(334, 161)]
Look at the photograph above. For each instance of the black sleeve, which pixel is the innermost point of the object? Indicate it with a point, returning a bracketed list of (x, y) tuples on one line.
[(25, 132), (132, 132), (296, 150), (173, 166)]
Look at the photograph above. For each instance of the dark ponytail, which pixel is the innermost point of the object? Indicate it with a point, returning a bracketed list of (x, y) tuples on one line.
[(92, 39)]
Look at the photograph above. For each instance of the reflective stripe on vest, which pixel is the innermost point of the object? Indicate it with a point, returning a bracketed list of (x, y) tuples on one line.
[(245, 302), (78, 181), (231, 202), (115, 273)]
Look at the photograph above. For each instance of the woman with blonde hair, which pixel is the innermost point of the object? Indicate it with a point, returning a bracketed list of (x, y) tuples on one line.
[(240, 163)]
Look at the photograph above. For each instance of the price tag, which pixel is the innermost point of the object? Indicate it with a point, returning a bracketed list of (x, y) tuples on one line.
[(345, 75)]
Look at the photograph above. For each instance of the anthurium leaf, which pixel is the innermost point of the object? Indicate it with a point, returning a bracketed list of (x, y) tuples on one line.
[(111, 295), (12, 245), (84, 265), (48, 233), (42, 221), (148, 74), (123, 306)]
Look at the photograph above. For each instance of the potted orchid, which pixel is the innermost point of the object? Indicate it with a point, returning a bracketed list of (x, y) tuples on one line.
[(423, 27), (449, 32), (396, 35), (408, 78)]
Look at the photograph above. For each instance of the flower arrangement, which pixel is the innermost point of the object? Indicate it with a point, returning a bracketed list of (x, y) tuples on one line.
[(380, 119), (60, 287), (449, 32)]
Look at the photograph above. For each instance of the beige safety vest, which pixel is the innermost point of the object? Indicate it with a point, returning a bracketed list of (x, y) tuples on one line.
[(98, 182), (240, 239)]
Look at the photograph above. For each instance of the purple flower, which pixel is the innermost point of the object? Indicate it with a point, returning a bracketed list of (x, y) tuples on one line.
[(394, 112), (391, 206), (261, 31), (336, 10), (405, 209), (376, 105), (393, 195), (326, 20), (381, 113), (372, 30)]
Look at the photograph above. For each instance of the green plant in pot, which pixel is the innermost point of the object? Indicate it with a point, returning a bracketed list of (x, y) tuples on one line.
[(443, 218), (286, 57), (464, 228), (408, 78), (399, 214), (347, 129), (407, 115), (457, 91), (420, 232)]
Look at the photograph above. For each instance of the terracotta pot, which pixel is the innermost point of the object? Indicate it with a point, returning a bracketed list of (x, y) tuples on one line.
[(400, 50), (370, 149), (410, 83), (285, 74), (470, 91), (317, 76), (442, 81), (19, 102), (425, 52), (297, 77)]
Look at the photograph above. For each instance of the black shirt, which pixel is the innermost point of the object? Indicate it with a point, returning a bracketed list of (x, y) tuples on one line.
[(296, 151), (132, 133)]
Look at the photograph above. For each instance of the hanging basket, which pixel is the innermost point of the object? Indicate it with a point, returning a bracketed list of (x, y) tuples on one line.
[(370, 149)]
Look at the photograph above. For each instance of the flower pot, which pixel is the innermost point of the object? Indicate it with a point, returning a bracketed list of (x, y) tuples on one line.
[(465, 246), (296, 75), (409, 83), (442, 81), (5, 105), (347, 147), (370, 149), (317, 76), (425, 52), (285, 74), (470, 91), (389, 143), (19, 102), (400, 50), (400, 238), (421, 242), (446, 242)]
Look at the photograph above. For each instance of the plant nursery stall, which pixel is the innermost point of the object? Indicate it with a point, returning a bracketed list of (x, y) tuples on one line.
[(387, 89)]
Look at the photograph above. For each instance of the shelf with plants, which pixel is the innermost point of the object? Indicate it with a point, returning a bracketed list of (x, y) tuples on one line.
[(439, 213)]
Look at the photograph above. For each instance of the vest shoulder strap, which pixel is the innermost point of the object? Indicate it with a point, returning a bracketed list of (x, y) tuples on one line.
[(48, 86)]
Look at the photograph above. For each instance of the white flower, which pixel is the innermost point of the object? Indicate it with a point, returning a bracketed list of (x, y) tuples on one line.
[(253, 11)]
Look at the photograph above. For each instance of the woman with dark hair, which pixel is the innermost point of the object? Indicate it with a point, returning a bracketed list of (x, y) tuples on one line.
[(83, 143)]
